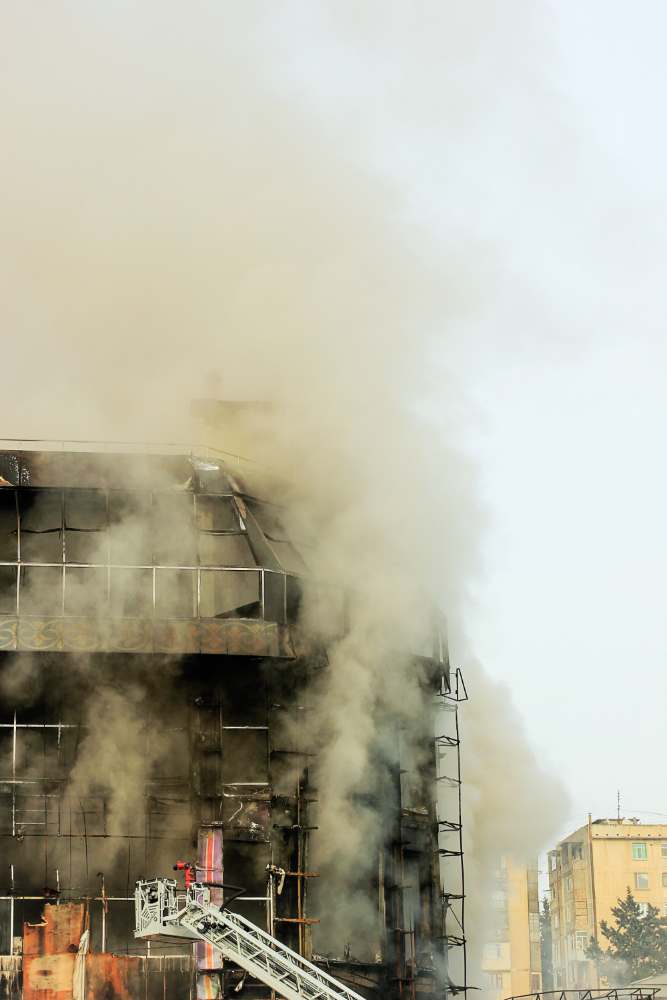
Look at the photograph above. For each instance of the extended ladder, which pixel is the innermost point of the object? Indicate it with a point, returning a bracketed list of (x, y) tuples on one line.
[(162, 911)]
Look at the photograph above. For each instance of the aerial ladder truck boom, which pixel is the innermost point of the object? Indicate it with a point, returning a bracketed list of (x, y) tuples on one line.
[(163, 911)]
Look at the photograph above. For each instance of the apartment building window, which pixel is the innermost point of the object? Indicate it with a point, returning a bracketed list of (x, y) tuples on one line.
[(552, 861), (582, 940), (570, 944), (499, 895), (556, 921), (641, 880), (568, 913), (556, 951), (639, 852), (568, 884), (663, 850), (643, 909), (664, 880), (535, 982), (664, 909), (495, 980), (577, 852), (494, 951)]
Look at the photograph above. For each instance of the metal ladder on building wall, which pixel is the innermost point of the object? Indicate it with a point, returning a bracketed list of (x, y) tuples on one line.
[(162, 911), (450, 829)]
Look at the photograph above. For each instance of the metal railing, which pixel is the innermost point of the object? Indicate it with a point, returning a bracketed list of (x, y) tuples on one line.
[(613, 993), (131, 448)]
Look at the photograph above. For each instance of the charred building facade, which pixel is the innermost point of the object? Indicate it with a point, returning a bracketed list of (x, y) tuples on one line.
[(156, 682)]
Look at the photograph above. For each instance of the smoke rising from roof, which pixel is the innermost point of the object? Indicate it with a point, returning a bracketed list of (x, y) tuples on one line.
[(249, 188)]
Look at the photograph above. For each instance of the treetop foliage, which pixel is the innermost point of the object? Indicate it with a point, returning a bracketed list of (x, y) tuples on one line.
[(637, 944)]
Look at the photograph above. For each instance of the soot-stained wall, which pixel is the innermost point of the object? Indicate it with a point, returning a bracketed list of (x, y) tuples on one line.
[(157, 698)]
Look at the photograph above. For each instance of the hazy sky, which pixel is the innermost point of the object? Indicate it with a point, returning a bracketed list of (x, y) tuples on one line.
[(573, 446)]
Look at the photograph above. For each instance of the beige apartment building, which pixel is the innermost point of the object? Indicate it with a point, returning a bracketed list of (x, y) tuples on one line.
[(512, 962), (588, 872)]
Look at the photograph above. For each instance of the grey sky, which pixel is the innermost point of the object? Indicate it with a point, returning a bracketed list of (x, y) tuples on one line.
[(572, 611)]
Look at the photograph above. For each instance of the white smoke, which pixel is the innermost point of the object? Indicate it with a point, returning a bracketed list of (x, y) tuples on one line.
[(327, 203)]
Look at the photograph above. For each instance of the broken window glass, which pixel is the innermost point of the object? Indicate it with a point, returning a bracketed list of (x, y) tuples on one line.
[(9, 467), (168, 471), (269, 520), (292, 598), (41, 525), (86, 526), (130, 539), (8, 590), (131, 593), (274, 597), (42, 468), (40, 590), (8, 526), (129, 472), (6, 943), (252, 483), (175, 593), (230, 594), (81, 469), (174, 537), (224, 550), (248, 862), (217, 514), (245, 756), (86, 591), (288, 557)]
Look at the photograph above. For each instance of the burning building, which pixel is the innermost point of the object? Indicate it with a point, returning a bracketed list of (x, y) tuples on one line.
[(164, 654)]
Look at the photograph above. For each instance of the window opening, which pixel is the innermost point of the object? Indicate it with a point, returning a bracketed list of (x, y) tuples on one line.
[(176, 593), (86, 591), (8, 526), (40, 590), (174, 540), (86, 526), (131, 593), (41, 522), (130, 540), (230, 594)]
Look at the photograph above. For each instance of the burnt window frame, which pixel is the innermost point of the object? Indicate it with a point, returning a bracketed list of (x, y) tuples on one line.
[(247, 527)]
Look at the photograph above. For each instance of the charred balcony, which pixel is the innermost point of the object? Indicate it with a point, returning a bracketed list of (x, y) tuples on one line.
[(154, 553)]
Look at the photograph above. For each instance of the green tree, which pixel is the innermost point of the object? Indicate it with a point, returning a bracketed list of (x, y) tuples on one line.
[(545, 946), (637, 944)]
